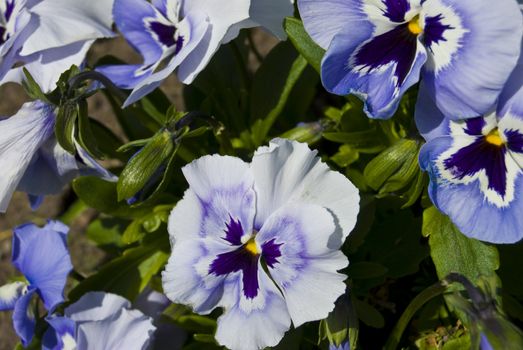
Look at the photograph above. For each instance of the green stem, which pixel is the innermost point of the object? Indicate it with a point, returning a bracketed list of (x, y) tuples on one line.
[(421, 299)]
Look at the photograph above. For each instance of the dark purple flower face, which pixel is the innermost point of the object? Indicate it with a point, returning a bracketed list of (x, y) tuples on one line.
[(7, 16), (484, 150), (167, 35), (245, 257)]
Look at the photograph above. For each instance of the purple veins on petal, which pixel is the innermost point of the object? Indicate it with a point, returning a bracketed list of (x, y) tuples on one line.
[(271, 252), (167, 35), (396, 46), (239, 260), (234, 232), (478, 156), (434, 30), (475, 126), (396, 10), (514, 140)]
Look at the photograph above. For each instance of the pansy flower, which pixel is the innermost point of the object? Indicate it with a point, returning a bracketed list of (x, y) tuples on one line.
[(41, 255), (475, 165), (183, 34), (464, 50), (32, 159), (260, 240), (99, 321), (49, 36)]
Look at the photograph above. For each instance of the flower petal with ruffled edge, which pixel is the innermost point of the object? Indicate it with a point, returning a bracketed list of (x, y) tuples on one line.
[(61, 335), (226, 257), (10, 293), (41, 255), (23, 318)]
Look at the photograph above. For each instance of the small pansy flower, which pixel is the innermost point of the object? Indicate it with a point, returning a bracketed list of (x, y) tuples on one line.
[(476, 166), (33, 161), (99, 321), (262, 241), (464, 50), (41, 255), (46, 37), (184, 34)]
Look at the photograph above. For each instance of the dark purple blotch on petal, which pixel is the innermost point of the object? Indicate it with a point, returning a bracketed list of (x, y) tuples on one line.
[(271, 252), (481, 155), (398, 45), (514, 140), (167, 35), (234, 232), (9, 8), (239, 260), (475, 126), (434, 30), (396, 10)]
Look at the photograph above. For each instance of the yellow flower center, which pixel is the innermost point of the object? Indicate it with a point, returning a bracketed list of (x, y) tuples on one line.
[(251, 247), (414, 26), (494, 138)]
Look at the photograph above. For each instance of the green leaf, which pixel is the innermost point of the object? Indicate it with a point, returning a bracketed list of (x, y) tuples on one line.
[(32, 88), (367, 141), (107, 233), (282, 89), (451, 251), (130, 273), (148, 223), (197, 323), (144, 164), (86, 137), (303, 42), (364, 270), (64, 126), (368, 314)]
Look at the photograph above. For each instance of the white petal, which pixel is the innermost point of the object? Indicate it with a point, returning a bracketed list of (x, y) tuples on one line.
[(20, 138), (271, 13), (257, 325), (288, 171), (129, 329), (96, 306), (64, 22), (306, 271), (10, 293)]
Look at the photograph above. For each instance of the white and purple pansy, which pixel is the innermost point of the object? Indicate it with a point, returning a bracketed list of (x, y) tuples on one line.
[(183, 35), (41, 255), (48, 37), (262, 241), (32, 159), (476, 166), (464, 50), (99, 321)]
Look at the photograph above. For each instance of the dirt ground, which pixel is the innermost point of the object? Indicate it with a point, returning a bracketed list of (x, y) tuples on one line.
[(85, 256)]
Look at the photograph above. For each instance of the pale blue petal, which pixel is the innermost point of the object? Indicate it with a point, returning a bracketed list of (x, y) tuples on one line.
[(96, 306), (430, 120), (23, 321), (41, 255), (60, 335)]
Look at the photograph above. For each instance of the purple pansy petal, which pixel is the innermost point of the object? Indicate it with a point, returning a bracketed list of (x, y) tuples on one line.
[(511, 98), (194, 28), (187, 278), (151, 303), (60, 335), (20, 137), (41, 255), (125, 76), (306, 270), (430, 120), (23, 321), (338, 12), (10, 293), (222, 188), (288, 171), (63, 22), (252, 324), (35, 201), (467, 70)]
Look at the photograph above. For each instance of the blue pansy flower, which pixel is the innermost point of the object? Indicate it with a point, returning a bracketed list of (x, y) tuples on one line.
[(476, 165), (262, 241), (41, 255), (33, 161), (99, 321), (343, 346), (183, 34), (49, 36), (464, 50)]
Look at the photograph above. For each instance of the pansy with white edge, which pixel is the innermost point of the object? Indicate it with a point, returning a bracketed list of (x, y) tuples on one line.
[(47, 37), (32, 159), (183, 34), (464, 50), (41, 255), (99, 321), (476, 165), (262, 241)]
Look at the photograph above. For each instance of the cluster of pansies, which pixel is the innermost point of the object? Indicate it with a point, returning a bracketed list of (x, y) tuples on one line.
[(260, 241)]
